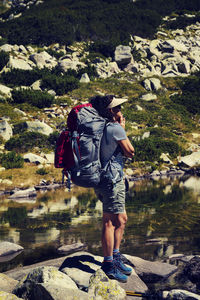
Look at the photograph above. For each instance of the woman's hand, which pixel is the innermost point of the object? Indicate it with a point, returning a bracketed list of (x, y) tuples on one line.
[(122, 121)]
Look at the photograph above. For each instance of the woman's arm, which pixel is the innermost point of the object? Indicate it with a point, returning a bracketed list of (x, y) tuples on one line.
[(127, 147)]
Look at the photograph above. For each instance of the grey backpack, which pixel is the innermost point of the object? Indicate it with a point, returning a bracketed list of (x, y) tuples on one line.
[(86, 128)]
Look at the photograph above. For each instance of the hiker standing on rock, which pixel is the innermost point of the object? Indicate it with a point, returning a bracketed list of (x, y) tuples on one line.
[(115, 144)]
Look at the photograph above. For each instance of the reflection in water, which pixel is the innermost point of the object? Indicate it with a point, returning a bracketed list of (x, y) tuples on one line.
[(163, 218)]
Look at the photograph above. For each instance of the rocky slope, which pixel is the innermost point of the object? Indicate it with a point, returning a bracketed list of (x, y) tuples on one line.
[(172, 54)]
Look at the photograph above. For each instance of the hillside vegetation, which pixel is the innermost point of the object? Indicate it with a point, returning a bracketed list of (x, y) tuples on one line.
[(46, 51), (66, 21)]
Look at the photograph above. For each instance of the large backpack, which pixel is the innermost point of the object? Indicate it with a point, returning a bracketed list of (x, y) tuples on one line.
[(78, 147)]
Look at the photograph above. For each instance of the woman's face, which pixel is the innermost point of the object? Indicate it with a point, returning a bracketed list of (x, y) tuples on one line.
[(116, 112)]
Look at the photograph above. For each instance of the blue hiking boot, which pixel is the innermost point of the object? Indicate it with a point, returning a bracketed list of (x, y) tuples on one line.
[(120, 265), (113, 272)]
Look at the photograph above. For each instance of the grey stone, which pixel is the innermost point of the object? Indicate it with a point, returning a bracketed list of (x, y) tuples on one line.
[(52, 291), (191, 160), (5, 130), (5, 90), (177, 294), (85, 78), (148, 97), (48, 275), (151, 271), (34, 158), (7, 284), (8, 296), (31, 192), (123, 55), (101, 285), (40, 127), (7, 248), (18, 63)]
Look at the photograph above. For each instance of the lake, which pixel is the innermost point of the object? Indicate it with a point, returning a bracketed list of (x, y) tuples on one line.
[(163, 219)]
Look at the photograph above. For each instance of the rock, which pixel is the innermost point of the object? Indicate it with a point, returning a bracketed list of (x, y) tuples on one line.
[(34, 158), (85, 78), (5, 90), (123, 55), (129, 172), (191, 160), (43, 59), (18, 63), (192, 183), (56, 292), (67, 249), (27, 287), (20, 112), (146, 135), (40, 127), (8, 296), (7, 284), (177, 294), (101, 285), (165, 158), (6, 48), (148, 97), (150, 271), (50, 158), (31, 192), (7, 248), (86, 264), (5, 130), (36, 85)]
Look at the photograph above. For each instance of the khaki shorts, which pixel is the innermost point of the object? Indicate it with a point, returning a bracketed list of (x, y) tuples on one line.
[(113, 198)]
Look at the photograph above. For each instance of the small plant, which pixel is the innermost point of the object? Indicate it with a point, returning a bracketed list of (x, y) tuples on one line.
[(35, 98), (12, 160), (42, 171), (27, 141)]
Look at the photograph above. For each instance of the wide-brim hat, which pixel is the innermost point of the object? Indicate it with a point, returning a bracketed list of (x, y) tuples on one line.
[(116, 101)]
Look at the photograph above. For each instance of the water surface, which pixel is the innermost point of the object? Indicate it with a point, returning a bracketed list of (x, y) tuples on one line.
[(163, 219)]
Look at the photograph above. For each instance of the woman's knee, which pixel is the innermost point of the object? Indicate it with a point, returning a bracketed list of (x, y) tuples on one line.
[(121, 220)]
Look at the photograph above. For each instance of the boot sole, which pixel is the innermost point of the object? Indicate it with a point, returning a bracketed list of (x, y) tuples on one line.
[(113, 277)]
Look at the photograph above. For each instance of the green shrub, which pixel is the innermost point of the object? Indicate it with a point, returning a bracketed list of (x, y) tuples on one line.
[(20, 77), (190, 97), (12, 160), (19, 128), (52, 138), (60, 84), (151, 148), (56, 54), (27, 141), (104, 48), (35, 98), (4, 58), (42, 171)]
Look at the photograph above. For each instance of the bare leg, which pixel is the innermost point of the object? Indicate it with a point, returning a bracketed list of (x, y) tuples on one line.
[(120, 222), (108, 234)]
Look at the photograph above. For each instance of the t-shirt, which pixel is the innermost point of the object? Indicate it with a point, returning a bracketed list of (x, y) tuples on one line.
[(113, 133)]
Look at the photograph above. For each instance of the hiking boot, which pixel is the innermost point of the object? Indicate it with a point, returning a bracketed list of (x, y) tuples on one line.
[(120, 265), (113, 272)]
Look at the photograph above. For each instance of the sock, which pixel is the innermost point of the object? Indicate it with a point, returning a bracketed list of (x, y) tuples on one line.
[(108, 259), (115, 251)]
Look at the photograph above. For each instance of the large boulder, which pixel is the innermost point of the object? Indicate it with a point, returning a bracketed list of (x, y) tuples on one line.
[(43, 59), (7, 284), (5, 130), (40, 127), (151, 271), (18, 63), (31, 192), (8, 296), (28, 286), (34, 158), (101, 285), (7, 248), (191, 160), (123, 56), (5, 90)]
